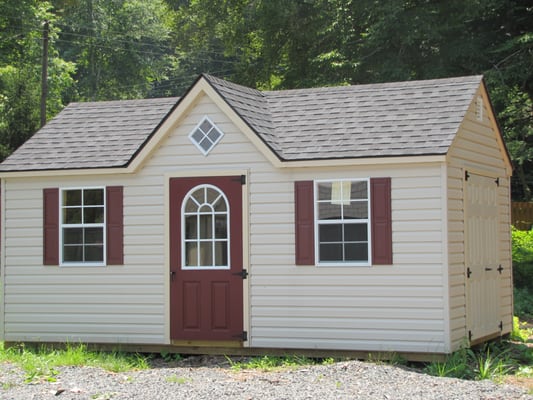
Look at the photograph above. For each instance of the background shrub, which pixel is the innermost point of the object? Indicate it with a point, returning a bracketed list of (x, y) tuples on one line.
[(523, 273), (523, 259)]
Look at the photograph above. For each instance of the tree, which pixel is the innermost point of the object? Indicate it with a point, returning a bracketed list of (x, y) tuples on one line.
[(20, 72), (120, 47)]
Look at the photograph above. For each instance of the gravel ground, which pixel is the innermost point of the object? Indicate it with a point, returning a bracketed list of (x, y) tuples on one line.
[(212, 378)]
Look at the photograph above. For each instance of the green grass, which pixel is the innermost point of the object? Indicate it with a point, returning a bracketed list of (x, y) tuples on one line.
[(492, 361), (42, 363), (273, 363)]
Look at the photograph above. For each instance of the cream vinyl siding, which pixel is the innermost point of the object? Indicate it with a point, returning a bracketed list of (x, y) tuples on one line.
[(384, 308), (477, 149), (400, 307)]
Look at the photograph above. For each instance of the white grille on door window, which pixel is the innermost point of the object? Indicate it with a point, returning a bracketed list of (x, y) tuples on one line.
[(205, 135)]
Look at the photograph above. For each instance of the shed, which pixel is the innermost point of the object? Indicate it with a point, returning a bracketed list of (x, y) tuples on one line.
[(367, 218)]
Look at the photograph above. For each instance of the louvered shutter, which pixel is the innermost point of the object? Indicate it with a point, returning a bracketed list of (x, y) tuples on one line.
[(380, 197), (305, 222), (115, 225), (51, 226)]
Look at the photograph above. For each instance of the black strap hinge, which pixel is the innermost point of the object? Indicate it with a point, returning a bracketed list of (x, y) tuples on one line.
[(243, 274), (467, 175), (468, 272), (501, 325), (469, 336), (497, 180), (243, 336), (500, 269)]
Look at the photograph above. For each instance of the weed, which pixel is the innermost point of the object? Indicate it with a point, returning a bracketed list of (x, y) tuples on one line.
[(170, 357), (42, 363), (490, 366), (177, 379), (270, 363)]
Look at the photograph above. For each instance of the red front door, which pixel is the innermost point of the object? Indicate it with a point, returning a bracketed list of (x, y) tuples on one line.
[(206, 295)]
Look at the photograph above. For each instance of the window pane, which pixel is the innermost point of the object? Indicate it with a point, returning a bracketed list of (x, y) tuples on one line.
[(93, 215), (329, 211), (221, 227), (93, 197), (221, 253), (206, 144), (94, 236), (355, 233), (359, 190), (199, 196), (214, 135), (191, 206), (330, 252), (191, 228), (356, 252), (324, 191), (72, 215), (72, 198), (206, 227), (206, 254), (220, 205), (72, 253), (94, 253), (330, 233), (73, 235), (191, 254), (356, 210), (197, 135), (211, 195), (206, 126)]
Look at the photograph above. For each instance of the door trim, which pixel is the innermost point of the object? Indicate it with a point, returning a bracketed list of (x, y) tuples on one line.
[(245, 242)]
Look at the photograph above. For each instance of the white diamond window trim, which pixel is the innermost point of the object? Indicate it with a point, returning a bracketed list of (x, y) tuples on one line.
[(205, 135)]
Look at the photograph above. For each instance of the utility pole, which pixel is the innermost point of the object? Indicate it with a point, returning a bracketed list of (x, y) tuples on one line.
[(44, 73)]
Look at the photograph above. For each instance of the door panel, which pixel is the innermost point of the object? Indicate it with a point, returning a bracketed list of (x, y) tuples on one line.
[(206, 288), (482, 257)]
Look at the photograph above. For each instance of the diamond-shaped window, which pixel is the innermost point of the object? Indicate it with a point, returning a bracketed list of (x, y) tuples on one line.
[(206, 135)]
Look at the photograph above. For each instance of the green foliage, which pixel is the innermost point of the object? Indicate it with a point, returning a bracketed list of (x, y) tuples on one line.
[(492, 361), (42, 363), (103, 49), (523, 303), (271, 363), (520, 330), (522, 253)]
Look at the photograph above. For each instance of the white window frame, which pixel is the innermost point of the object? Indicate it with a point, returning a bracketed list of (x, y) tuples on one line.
[(317, 224), (103, 225), (202, 150), (198, 240)]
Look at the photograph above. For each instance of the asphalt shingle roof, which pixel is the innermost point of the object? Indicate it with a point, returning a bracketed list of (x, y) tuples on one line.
[(377, 120)]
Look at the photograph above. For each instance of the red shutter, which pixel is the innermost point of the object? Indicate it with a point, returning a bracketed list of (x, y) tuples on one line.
[(115, 225), (305, 223), (51, 226), (380, 197)]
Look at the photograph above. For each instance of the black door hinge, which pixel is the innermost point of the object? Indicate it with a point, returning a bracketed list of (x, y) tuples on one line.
[(497, 180), (468, 272), (243, 274), (241, 179), (467, 175), (469, 336), (243, 336), (501, 326), (500, 269)]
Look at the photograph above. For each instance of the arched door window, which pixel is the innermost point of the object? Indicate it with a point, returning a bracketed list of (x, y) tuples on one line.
[(205, 229)]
